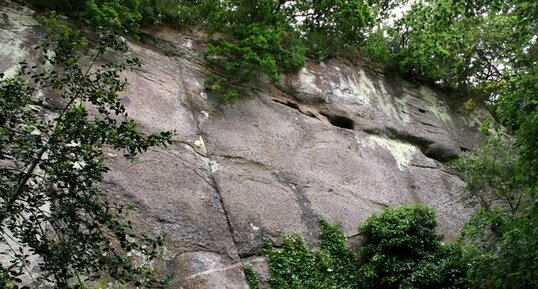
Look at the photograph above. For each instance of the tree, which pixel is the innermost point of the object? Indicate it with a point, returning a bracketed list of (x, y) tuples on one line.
[(503, 173), (504, 228), (53, 160), (501, 176), (331, 27), (463, 44)]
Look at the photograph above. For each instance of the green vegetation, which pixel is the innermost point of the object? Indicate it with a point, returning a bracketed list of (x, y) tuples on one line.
[(252, 279), (247, 39), (257, 40), (483, 50), (51, 202), (464, 44), (401, 250), (294, 266), (472, 47), (333, 27), (501, 180)]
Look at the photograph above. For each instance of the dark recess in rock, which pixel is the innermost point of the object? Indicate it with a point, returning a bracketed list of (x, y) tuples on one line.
[(339, 120), (428, 147), (441, 153)]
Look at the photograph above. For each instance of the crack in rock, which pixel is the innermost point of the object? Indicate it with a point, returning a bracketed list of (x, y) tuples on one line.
[(295, 106)]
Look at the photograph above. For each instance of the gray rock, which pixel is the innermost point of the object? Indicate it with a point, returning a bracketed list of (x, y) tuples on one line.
[(201, 270), (335, 139)]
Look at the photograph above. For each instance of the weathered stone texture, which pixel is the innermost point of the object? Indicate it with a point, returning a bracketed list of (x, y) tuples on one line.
[(335, 139)]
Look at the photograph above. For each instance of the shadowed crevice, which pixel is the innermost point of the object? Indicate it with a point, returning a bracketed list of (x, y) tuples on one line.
[(339, 120)]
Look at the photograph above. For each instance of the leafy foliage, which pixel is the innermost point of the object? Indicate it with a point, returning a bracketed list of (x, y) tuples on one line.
[(252, 279), (489, 46), (331, 27), (117, 16), (518, 109), (502, 175), (504, 229), (463, 44), (485, 49), (491, 173), (295, 266), (248, 39), (402, 250), (438, 42), (257, 40), (53, 160), (508, 254)]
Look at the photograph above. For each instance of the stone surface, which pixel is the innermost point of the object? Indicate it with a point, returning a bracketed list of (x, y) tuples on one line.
[(201, 270), (335, 139), (18, 35)]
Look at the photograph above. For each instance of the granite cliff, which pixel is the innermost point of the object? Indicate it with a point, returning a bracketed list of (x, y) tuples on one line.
[(336, 139)]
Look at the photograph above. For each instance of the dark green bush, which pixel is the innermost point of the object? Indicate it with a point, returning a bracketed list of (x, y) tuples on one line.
[(255, 39), (402, 250), (253, 51), (508, 260)]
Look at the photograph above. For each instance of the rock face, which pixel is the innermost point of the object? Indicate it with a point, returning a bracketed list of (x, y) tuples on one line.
[(335, 139)]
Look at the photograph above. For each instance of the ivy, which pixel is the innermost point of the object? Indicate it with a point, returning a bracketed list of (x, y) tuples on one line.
[(294, 265)]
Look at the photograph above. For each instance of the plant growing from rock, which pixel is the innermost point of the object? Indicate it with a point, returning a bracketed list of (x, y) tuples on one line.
[(271, 37), (256, 39), (52, 160)]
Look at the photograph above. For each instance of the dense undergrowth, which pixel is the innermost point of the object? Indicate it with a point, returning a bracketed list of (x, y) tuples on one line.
[(400, 250)]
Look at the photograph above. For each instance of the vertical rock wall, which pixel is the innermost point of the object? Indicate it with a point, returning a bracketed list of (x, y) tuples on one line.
[(335, 139)]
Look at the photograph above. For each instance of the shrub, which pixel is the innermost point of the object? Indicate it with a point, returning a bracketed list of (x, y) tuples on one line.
[(295, 266), (402, 250), (253, 51), (255, 39)]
